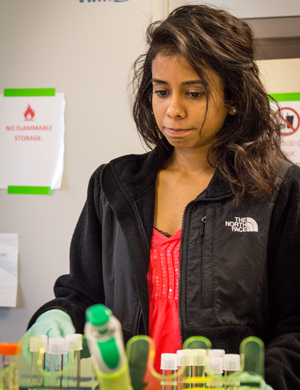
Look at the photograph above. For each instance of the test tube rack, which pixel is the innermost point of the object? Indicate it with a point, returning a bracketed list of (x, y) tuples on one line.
[(24, 373)]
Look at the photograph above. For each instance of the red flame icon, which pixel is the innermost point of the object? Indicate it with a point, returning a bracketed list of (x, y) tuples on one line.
[(29, 114)]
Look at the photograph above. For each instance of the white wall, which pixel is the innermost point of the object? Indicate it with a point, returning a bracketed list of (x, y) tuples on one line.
[(280, 76), (86, 51)]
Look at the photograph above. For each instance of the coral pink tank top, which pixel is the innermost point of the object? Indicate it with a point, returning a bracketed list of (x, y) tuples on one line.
[(163, 286)]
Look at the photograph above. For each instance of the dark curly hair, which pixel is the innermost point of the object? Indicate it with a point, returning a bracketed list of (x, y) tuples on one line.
[(246, 150)]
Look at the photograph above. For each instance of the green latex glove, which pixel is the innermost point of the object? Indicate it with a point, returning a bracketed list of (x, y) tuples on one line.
[(245, 378), (53, 323)]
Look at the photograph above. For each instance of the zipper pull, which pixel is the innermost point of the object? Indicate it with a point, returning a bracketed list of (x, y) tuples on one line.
[(201, 234)]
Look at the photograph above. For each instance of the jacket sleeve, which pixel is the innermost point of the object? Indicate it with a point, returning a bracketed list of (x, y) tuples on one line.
[(282, 370), (83, 287)]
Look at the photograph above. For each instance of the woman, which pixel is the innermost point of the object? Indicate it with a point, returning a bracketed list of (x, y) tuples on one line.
[(215, 189)]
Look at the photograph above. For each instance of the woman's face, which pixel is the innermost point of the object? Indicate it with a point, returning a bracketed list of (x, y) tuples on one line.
[(180, 104)]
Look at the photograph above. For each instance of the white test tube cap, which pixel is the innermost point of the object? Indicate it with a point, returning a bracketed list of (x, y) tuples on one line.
[(215, 364), (216, 353), (231, 362), (200, 357), (168, 361), (73, 342), (185, 357), (56, 345), (37, 342)]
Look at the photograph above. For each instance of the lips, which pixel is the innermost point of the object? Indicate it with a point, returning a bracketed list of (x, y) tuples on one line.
[(176, 131)]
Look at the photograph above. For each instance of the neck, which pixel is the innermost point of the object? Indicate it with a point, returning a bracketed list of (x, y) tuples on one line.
[(189, 161)]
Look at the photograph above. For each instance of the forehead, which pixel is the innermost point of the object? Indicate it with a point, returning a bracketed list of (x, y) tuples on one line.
[(172, 64), (174, 68)]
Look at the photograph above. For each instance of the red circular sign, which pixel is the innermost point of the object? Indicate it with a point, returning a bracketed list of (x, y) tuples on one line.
[(292, 129)]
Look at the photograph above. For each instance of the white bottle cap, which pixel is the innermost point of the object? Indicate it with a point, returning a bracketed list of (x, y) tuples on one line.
[(185, 357), (168, 361), (200, 357), (216, 353), (73, 342), (216, 364), (231, 362), (37, 342), (56, 346)]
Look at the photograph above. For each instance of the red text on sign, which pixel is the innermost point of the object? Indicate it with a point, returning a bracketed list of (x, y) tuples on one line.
[(28, 138)]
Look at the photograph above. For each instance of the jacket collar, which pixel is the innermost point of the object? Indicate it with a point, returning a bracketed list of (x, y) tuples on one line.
[(136, 174), (218, 187)]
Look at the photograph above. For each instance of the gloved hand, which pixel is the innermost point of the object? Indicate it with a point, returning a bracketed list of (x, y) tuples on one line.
[(245, 378), (268, 387), (53, 323)]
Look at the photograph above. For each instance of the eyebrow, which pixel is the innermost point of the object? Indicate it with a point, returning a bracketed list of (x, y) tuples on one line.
[(190, 82)]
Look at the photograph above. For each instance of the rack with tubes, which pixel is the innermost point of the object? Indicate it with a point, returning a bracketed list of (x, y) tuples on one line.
[(27, 370)]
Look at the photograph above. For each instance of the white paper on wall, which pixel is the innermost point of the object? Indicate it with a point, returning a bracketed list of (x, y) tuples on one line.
[(8, 269), (289, 115), (32, 141)]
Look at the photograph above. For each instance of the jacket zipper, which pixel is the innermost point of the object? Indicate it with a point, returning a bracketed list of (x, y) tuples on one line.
[(179, 311), (201, 239), (202, 228), (139, 323), (201, 235)]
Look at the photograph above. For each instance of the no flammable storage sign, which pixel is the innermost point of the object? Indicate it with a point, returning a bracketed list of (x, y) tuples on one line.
[(31, 139), (289, 115)]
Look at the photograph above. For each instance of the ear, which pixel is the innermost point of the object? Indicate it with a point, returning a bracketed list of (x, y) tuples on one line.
[(232, 111), (231, 107)]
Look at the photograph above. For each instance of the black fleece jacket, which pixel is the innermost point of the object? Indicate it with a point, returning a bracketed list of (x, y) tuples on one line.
[(239, 264)]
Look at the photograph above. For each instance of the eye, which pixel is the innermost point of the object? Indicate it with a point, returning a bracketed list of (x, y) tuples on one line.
[(196, 95), (161, 93)]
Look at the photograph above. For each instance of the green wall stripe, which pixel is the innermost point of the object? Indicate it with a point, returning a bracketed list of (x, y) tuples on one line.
[(286, 97), (17, 92), (29, 190)]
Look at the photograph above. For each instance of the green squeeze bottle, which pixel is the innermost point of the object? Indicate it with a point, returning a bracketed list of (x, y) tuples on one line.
[(105, 340)]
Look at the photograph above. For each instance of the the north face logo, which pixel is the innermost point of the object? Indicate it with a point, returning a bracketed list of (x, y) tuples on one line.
[(242, 225)]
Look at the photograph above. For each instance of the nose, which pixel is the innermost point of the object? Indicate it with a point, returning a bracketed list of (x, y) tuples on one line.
[(176, 108)]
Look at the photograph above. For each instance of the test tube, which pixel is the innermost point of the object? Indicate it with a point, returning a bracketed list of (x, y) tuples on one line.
[(185, 359), (231, 364), (216, 353), (215, 365), (200, 359), (36, 343), (168, 365), (56, 350), (9, 352), (73, 347)]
